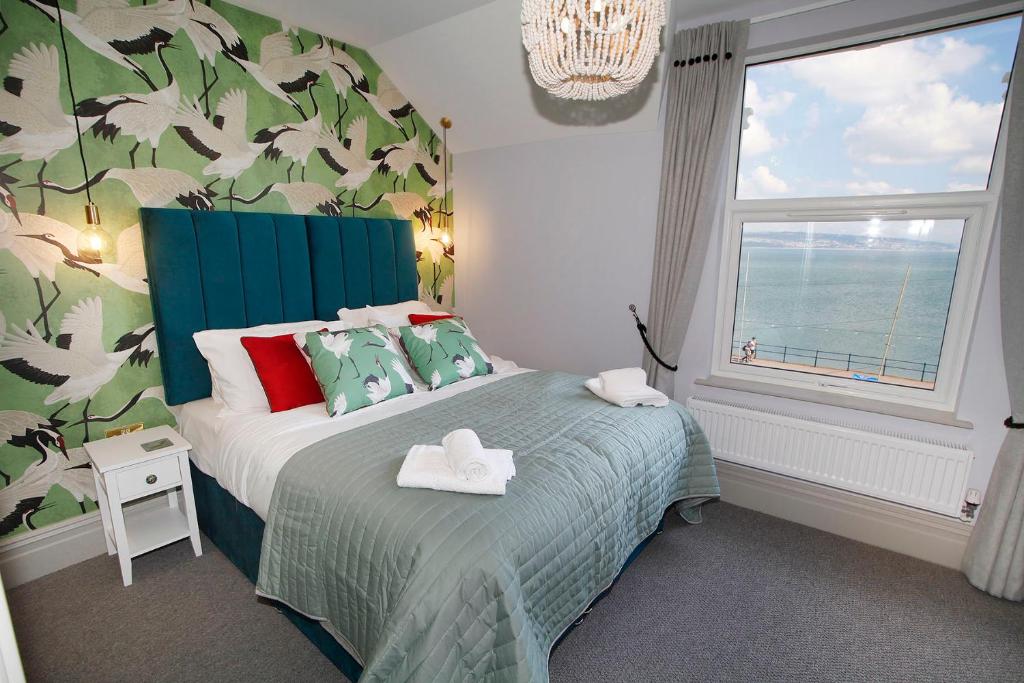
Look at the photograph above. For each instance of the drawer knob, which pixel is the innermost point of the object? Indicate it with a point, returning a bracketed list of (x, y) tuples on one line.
[(151, 479)]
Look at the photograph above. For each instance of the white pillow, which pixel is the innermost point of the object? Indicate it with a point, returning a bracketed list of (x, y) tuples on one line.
[(392, 315), (355, 317), (396, 316), (235, 383)]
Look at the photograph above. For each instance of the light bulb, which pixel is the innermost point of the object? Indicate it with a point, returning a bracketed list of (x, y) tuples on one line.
[(596, 6), (566, 25), (445, 239), (93, 240)]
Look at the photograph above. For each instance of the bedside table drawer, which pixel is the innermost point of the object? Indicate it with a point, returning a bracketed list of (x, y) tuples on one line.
[(149, 477)]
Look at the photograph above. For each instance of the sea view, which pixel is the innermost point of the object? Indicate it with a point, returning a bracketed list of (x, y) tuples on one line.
[(837, 298)]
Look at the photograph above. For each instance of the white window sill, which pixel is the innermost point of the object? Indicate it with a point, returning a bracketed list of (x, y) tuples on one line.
[(871, 405)]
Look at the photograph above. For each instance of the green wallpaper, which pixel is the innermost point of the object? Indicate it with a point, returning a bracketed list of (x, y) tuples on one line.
[(191, 104)]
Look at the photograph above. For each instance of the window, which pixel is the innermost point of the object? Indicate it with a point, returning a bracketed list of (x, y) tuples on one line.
[(864, 187)]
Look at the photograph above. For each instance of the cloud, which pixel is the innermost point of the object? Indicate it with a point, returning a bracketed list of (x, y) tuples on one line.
[(934, 126), (770, 104), (761, 183), (866, 187), (757, 138), (958, 186), (896, 104), (979, 163), (812, 119), (911, 114), (883, 74)]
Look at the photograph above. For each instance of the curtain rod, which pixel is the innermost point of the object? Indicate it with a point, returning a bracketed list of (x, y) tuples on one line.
[(821, 4)]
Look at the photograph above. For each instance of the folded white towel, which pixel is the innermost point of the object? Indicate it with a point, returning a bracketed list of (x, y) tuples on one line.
[(623, 380), (628, 399), (426, 467), (466, 455), (501, 365)]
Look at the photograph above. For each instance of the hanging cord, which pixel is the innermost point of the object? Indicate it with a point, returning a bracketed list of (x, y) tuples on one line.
[(643, 335), (74, 102), (444, 200)]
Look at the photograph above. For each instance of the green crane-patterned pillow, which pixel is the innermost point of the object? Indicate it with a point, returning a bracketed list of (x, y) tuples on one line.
[(444, 351), (356, 368)]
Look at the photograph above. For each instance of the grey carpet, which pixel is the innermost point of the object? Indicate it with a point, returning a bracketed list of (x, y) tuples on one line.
[(743, 597)]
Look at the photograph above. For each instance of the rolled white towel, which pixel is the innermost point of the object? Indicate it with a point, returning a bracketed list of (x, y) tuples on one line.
[(426, 467), (503, 461), (466, 455), (623, 380)]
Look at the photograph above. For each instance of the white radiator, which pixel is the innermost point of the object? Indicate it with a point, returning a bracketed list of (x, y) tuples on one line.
[(906, 469)]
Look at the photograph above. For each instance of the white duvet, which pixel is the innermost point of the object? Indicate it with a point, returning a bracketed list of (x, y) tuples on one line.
[(245, 452)]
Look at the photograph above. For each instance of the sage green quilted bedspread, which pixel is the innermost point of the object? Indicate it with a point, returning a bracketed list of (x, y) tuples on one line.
[(423, 585)]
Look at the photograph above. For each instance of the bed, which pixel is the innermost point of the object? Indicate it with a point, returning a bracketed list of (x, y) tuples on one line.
[(403, 584)]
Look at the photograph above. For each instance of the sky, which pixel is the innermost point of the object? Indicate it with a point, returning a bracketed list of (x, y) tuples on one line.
[(945, 231), (914, 115)]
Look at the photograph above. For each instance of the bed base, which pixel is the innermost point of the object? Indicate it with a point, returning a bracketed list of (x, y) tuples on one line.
[(237, 532)]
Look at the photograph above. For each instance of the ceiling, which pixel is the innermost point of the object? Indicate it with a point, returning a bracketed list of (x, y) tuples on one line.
[(368, 24), (362, 22), (465, 59)]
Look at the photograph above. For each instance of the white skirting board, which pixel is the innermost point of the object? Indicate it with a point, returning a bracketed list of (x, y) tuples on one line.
[(902, 529), (925, 535), (52, 548)]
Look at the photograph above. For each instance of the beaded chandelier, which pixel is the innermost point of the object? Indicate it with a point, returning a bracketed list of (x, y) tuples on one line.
[(591, 49)]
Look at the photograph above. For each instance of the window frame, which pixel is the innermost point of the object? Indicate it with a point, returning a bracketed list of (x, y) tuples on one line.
[(978, 209)]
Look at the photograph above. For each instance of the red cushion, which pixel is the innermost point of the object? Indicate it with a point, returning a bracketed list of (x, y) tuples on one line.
[(420, 318), (287, 379)]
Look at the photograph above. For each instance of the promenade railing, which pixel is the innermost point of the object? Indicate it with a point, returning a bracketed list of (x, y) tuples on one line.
[(842, 360)]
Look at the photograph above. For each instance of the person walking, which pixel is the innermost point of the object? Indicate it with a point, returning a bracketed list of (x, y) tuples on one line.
[(750, 350)]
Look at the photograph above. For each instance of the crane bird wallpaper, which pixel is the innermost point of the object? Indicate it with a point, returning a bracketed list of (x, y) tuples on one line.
[(180, 103)]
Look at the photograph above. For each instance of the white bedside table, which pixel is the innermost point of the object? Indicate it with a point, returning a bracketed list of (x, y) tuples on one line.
[(124, 472)]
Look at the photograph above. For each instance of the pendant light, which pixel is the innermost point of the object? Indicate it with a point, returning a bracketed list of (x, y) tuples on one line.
[(445, 220), (591, 49), (94, 240)]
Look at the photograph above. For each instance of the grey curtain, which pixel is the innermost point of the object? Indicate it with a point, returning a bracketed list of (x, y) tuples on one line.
[(705, 82), (994, 561)]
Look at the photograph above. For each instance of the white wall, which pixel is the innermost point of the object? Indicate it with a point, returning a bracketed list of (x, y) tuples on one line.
[(555, 239)]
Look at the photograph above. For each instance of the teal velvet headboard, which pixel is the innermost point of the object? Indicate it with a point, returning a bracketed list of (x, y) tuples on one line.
[(221, 269)]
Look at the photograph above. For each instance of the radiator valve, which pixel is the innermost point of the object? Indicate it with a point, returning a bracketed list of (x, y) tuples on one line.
[(970, 507)]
